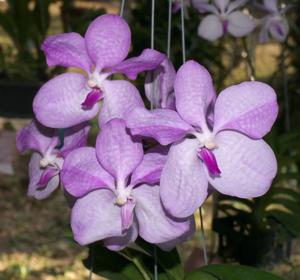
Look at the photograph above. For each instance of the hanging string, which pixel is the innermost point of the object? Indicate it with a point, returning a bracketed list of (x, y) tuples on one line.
[(183, 32), (122, 8), (202, 237), (169, 29), (92, 262), (153, 90)]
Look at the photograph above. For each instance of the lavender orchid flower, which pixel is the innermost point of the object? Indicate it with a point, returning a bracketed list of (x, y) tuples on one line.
[(223, 18), (118, 195), (176, 5), (275, 23), (231, 156), (47, 159), (159, 85), (73, 97)]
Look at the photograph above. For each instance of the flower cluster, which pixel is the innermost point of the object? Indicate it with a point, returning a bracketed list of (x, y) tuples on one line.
[(119, 189), (225, 16)]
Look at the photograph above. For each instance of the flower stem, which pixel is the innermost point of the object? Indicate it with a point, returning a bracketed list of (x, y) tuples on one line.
[(139, 266), (202, 237)]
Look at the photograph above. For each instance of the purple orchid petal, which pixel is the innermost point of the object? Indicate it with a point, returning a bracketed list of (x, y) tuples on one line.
[(248, 166), (46, 176), (108, 40), (95, 217), (117, 151), (221, 5), (176, 6), (203, 7), (210, 28), (75, 137), (279, 29), (148, 60), (91, 99), (240, 24), (67, 49), (127, 214), (155, 225), (82, 173), (169, 245), (120, 98), (249, 107), (236, 5), (163, 125), (271, 5), (149, 170), (183, 180), (194, 92), (120, 242), (34, 137), (159, 85), (35, 173), (58, 102), (210, 161)]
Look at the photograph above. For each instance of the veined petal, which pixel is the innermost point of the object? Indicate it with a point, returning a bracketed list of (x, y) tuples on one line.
[(95, 217), (183, 180), (149, 170), (82, 173), (163, 125), (34, 137), (120, 98), (120, 242), (247, 166), (148, 60), (108, 40), (249, 107), (58, 102), (240, 24), (67, 49), (155, 225), (75, 137), (159, 84), (118, 152), (194, 91), (211, 28), (35, 173)]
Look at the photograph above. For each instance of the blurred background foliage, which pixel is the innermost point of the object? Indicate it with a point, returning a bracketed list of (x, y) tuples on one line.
[(259, 232)]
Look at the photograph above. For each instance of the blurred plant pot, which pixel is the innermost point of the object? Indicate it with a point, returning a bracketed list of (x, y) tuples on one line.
[(16, 99)]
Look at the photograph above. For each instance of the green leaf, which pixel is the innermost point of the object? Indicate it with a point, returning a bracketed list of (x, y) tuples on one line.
[(111, 265), (170, 262), (234, 272), (199, 275)]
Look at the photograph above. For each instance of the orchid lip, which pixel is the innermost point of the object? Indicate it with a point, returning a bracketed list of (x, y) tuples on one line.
[(209, 160), (46, 176), (92, 98)]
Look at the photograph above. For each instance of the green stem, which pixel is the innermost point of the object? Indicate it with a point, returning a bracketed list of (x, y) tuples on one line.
[(139, 266)]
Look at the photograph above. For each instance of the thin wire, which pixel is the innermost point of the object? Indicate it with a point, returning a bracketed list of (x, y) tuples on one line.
[(203, 239), (155, 264), (183, 32), (169, 29), (286, 93), (152, 23), (92, 262), (122, 8)]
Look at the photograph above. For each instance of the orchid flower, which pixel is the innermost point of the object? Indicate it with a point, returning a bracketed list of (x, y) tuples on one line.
[(275, 23), (47, 159), (159, 85), (72, 98), (231, 155), (176, 5), (224, 17), (118, 195)]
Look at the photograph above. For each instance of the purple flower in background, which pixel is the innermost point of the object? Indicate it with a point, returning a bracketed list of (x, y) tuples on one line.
[(231, 156), (176, 5), (159, 85), (223, 18), (47, 159), (275, 23), (118, 195), (72, 98)]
